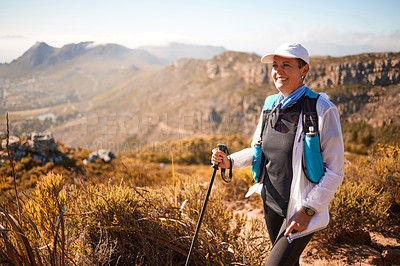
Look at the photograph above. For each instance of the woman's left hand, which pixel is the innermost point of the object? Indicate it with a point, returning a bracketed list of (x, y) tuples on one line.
[(299, 222)]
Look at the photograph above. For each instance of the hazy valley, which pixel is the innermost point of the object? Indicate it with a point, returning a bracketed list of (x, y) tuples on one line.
[(109, 96), (137, 206)]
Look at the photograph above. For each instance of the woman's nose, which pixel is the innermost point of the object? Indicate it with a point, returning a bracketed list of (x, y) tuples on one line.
[(279, 69)]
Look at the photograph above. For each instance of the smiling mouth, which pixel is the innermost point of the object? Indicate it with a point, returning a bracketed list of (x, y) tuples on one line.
[(281, 79)]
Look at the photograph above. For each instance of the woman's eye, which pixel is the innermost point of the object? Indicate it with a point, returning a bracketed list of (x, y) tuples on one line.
[(275, 66), (286, 65)]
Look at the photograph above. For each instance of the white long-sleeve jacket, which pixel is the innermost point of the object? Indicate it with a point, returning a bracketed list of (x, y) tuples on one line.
[(303, 192)]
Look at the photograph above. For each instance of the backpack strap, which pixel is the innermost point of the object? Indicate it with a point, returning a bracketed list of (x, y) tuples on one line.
[(268, 106), (258, 173), (270, 101), (312, 161), (310, 116)]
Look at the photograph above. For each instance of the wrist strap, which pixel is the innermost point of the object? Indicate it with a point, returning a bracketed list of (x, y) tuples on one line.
[(230, 172)]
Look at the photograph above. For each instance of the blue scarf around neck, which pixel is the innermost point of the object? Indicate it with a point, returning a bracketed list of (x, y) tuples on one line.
[(292, 98)]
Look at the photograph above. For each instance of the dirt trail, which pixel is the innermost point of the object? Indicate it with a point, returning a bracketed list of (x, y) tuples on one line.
[(31, 113)]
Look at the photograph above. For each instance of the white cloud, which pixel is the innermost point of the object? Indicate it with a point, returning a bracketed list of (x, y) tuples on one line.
[(329, 41), (7, 37), (13, 46)]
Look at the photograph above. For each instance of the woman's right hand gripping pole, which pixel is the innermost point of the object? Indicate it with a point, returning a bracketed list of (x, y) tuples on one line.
[(219, 157)]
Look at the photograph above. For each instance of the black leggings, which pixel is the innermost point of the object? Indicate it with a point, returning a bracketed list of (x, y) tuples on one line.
[(283, 252)]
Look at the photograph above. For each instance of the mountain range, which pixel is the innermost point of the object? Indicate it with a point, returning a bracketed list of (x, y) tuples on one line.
[(42, 55), (109, 96)]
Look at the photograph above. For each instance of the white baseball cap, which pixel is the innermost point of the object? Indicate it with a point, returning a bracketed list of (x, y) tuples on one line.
[(289, 50)]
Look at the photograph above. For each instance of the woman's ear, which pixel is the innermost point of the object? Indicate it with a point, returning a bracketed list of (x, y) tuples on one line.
[(305, 70)]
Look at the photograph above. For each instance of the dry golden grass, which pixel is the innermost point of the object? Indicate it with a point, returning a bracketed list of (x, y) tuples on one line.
[(136, 214), (145, 213)]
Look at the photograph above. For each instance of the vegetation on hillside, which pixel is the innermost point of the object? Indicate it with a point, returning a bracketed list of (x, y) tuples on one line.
[(128, 213), (138, 210), (366, 114)]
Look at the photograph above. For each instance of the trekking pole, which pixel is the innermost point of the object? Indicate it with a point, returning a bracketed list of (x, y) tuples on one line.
[(221, 147)]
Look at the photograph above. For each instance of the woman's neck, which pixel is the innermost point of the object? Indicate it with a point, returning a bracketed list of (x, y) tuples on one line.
[(287, 93)]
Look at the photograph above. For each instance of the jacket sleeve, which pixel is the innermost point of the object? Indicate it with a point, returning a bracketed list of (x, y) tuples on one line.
[(244, 158), (332, 149)]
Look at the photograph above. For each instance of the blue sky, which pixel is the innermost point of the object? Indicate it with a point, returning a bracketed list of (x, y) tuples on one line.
[(333, 28)]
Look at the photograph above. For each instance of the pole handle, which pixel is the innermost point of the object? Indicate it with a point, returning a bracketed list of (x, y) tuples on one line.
[(224, 148)]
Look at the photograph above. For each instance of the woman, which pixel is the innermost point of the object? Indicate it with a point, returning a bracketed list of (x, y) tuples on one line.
[(294, 207)]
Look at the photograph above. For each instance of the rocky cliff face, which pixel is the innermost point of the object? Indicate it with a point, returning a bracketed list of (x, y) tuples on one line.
[(232, 64), (246, 67), (367, 69), (373, 80)]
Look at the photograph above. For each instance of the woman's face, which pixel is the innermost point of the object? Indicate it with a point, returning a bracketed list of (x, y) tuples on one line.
[(287, 75)]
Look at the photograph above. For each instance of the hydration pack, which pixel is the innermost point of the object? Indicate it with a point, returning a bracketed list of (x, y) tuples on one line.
[(312, 161)]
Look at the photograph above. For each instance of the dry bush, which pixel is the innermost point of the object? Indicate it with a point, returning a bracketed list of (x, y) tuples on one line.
[(380, 170), (356, 209), (241, 181), (38, 236), (365, 199), (387, 167), (28, 172), (44, 206), (194, 150), (118, 223)]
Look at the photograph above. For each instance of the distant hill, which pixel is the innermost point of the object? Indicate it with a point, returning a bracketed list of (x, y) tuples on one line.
[(46, 76), (112, 97), (35, 56), (41, 56)]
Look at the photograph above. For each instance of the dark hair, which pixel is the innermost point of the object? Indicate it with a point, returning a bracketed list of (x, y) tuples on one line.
[(301, 62)]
